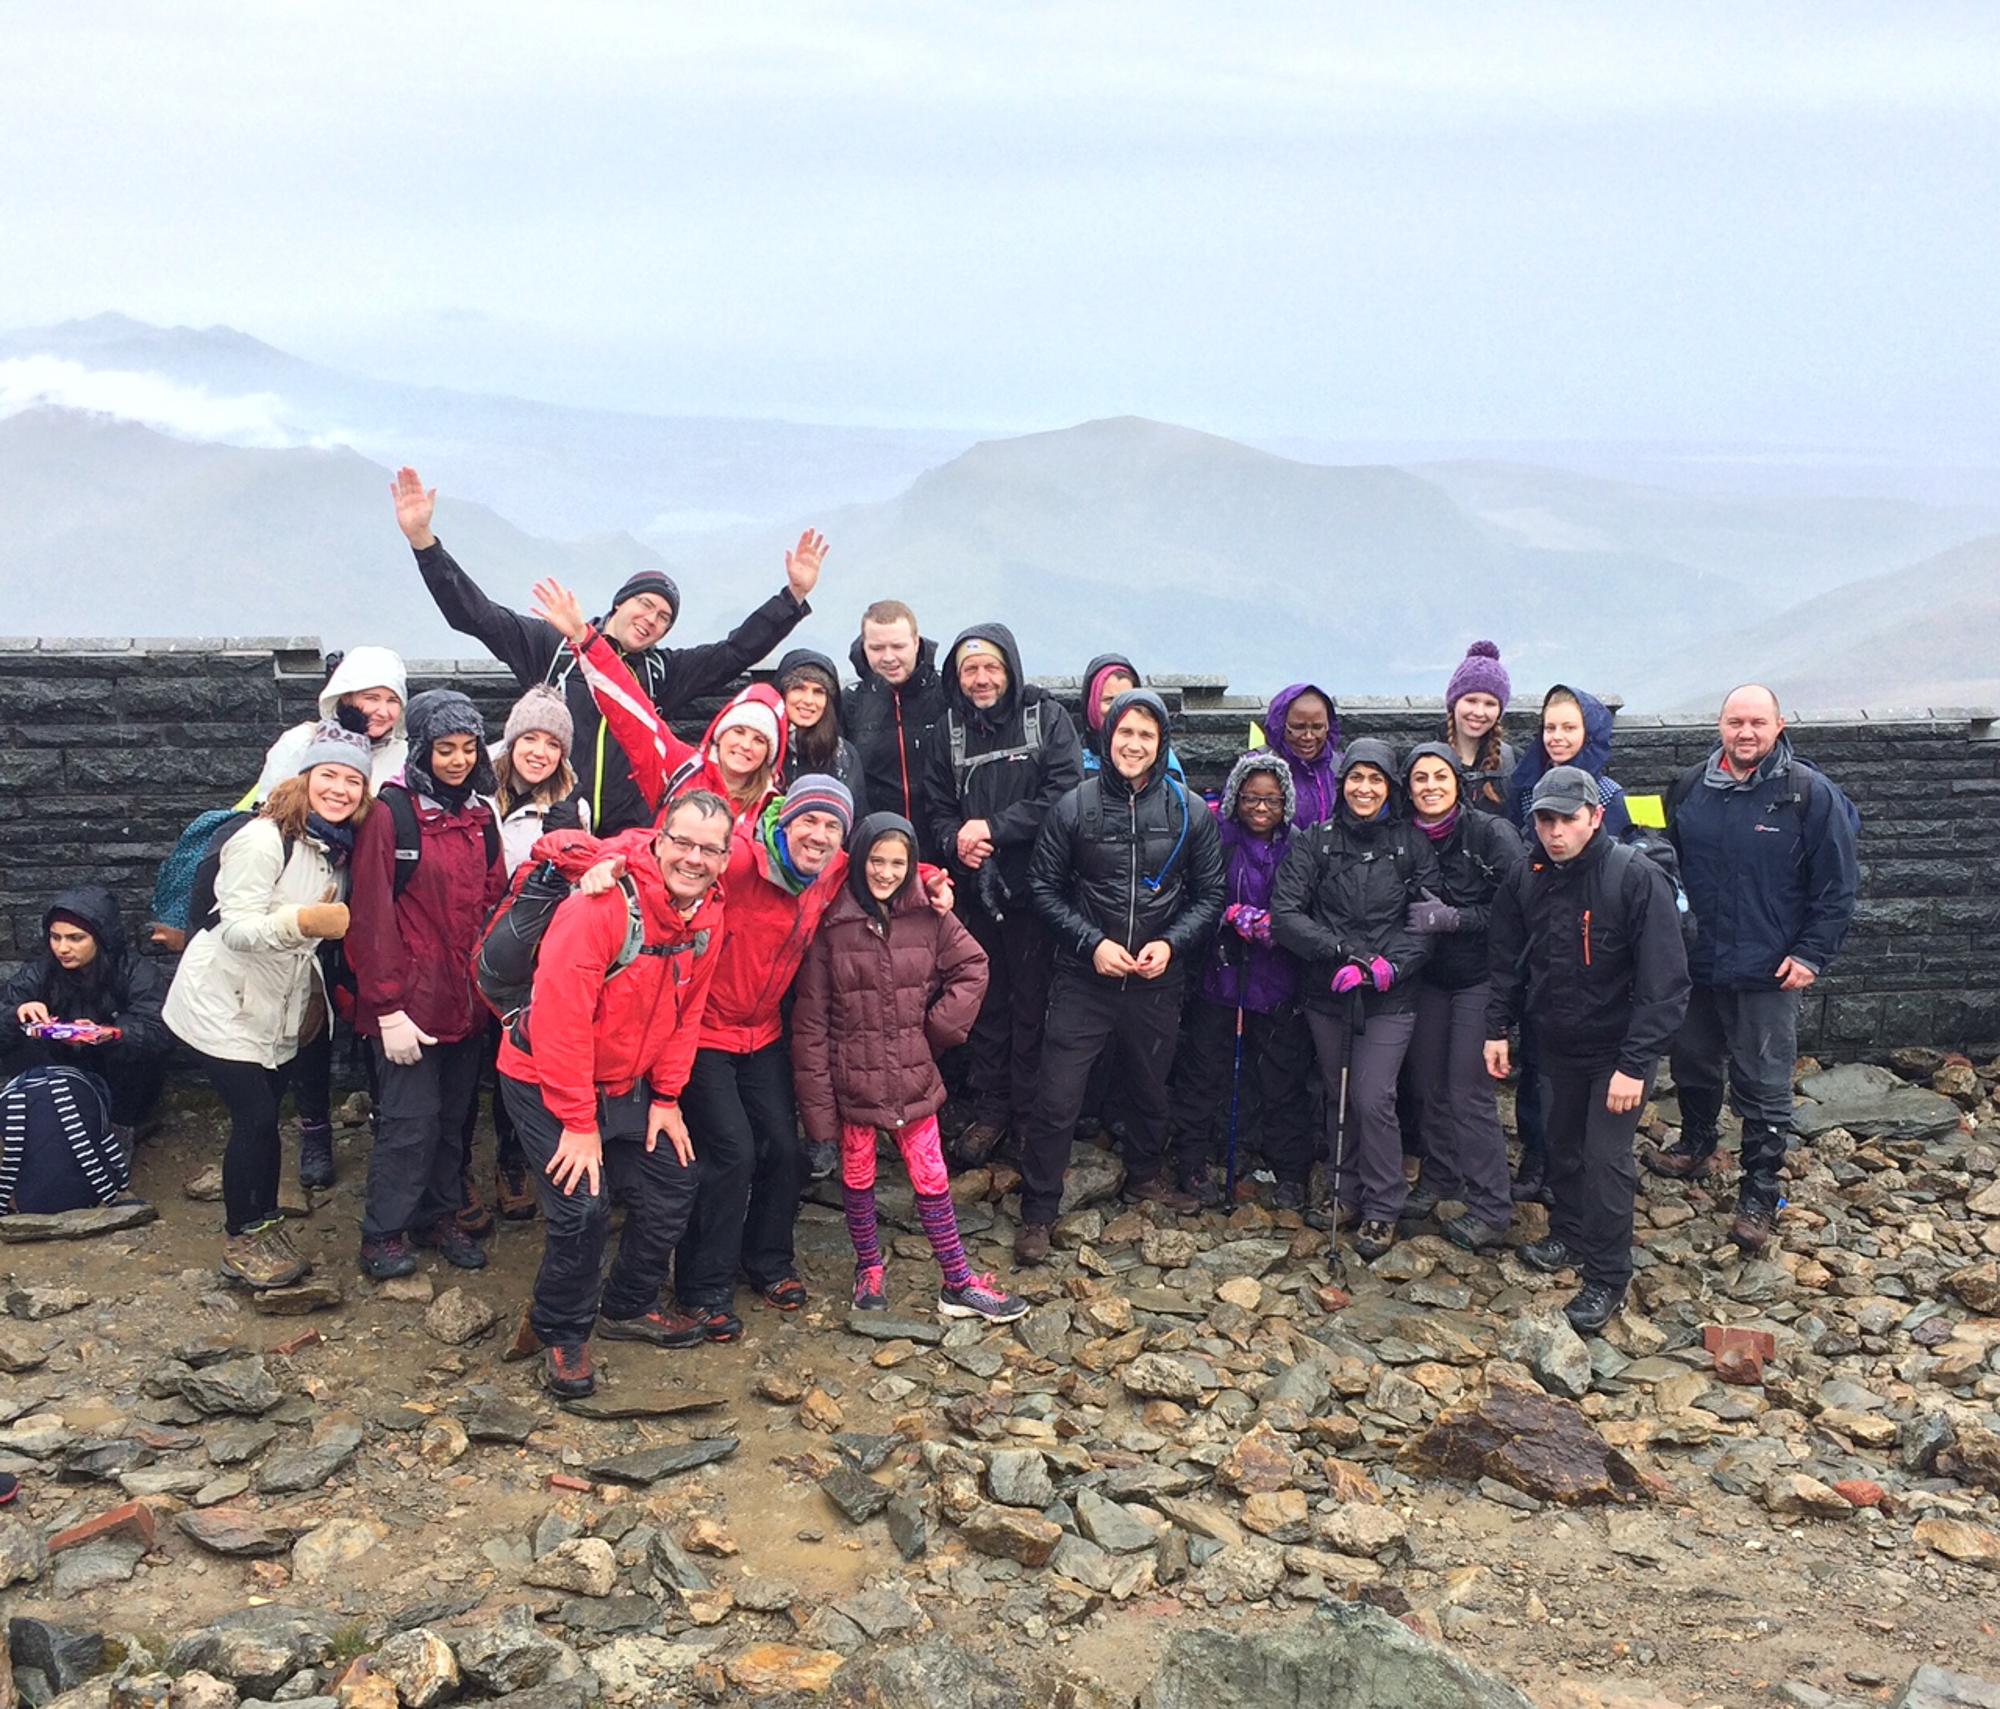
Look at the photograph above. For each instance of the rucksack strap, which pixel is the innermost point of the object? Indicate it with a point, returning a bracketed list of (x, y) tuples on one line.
[(963, 767), (410, 834)]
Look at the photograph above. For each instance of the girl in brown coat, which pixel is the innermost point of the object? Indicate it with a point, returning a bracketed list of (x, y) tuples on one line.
[(887, 983)]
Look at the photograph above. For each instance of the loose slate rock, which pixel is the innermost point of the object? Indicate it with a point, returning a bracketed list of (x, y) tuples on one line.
[(643, 1403), (1014, 1533), (1527, 1439), (63, 1655), (298, 1299), (25, 1226), (649, 1465), (1940, 1688), (859, 1498), (236, 1531), (243, 1387), (494, 1418), (456, 1317), (1161, 1376), (881, 1326), (307, 1466)]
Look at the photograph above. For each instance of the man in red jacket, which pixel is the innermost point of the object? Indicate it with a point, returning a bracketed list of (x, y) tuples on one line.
[(592, 1074)]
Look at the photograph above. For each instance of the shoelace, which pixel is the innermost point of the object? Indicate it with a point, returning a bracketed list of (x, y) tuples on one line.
[(869, 1281)]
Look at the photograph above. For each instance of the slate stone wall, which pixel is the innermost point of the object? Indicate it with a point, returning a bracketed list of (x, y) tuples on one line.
[(108, 748)]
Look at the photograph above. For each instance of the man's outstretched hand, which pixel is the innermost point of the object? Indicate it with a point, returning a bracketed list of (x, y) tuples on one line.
[(802, 564), (414, 507)]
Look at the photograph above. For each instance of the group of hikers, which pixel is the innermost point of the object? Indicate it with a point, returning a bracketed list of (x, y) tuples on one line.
[(847, 918)]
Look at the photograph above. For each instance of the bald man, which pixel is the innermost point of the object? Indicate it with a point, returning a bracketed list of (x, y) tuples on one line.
[(1767, 850)]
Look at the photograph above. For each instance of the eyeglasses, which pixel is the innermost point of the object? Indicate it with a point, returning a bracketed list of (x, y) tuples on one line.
[(688, 846), (1261, 803), (1292, 729)]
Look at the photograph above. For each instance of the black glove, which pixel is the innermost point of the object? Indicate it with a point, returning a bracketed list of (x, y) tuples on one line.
[(1431, 917)]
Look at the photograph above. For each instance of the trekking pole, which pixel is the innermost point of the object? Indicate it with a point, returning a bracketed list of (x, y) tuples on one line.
[(1235, 1094), (1353, 1029)]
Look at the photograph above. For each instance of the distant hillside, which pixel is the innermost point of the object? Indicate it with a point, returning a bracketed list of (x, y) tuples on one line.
[(1922, 636), (112, 529)]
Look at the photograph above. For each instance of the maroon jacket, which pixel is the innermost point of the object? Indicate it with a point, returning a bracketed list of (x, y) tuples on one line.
[(874, 1003), (414, 952)]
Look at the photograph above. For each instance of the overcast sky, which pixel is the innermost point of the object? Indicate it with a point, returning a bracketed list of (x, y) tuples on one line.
[(1756, 224)]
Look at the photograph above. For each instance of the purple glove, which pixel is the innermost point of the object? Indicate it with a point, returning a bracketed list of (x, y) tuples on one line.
[(1348, 979), (1253, 925), (1381, 973)]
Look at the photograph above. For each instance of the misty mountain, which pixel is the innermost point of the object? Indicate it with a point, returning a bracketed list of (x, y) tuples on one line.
[(1920, 636), (552, 470), (113, 529)]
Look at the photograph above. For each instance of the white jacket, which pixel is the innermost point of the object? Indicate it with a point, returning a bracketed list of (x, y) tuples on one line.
[(363, 667), (243, 984)]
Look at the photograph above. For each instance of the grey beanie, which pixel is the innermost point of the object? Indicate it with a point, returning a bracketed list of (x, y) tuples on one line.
[(332, 745), (541, 708)]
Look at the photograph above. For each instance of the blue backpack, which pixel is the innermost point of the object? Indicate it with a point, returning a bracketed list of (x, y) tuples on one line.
[(57, 1148)]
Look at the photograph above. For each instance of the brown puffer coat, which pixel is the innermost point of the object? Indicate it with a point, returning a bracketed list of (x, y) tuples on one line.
[(876, 1001)]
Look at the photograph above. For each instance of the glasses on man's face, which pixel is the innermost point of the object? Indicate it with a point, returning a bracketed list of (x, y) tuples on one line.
[(708, 851)]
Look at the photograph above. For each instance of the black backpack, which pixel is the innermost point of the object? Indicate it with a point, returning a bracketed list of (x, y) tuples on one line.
[(202, 911), (1657, 849), (57, 1148)]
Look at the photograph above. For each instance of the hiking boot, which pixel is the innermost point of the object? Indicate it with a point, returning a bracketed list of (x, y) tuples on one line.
[(1204, 1186), (787, 1293), (1158, 1190), (1756, 1219), (978, 1142), (1472, 1234), (567, 1372), (1421, 1203), (1332, 1218), (660, 1328), (822, 1158), (1373, 1238), (1531, 1181), (983, 1297), (316, 1154), (262, 1256), (718, 1322), (1288, 1196), (453, 1244), (513, 1193), (1592, 1306), (1684, 1160), (870, 1289), (1031, 1243), (387, 1258), (1547, 1256)]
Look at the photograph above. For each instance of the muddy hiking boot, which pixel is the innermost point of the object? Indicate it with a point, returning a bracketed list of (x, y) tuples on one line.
[(452, 1243), (1471, 1234), (1687, 1159), (1158, 1190), (1756, 1220), (385, 1259), (659, 1328), (513, 1193), (1592, 1306), (978, 1142), (567, 1372), (1547, 1256), (475, 1216), (1373, 1239), (316, 1155), (1031, 1243), (263, 1256)]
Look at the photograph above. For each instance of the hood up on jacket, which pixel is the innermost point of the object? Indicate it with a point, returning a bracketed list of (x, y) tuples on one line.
[(1317, 780), (804, 658), (1147, 701), (1247, 766), (436, 713), (926, 665), (1093, 675), (362, 668), (1433, 751), (867, 834), (1371, 750), (90, 906), (996, 635), (1594, 756)]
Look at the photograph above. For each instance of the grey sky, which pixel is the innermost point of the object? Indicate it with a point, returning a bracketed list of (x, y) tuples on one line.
[(1755, 224)]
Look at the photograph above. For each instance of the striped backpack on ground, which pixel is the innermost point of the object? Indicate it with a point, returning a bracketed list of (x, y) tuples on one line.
[(57, 1148)]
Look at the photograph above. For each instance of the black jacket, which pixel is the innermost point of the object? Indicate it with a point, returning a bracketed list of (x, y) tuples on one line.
[(1130, 864), (891, 729), (119, 988), (1593, 946), (846, 763), (1344, 893), (672, 676), (1012, 789), (1476, 860)]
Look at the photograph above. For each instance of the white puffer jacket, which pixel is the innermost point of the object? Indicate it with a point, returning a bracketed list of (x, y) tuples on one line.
[(362, 667), (243, 985)]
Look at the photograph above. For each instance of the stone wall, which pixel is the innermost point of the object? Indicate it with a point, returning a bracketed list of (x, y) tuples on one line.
[(108, 748)]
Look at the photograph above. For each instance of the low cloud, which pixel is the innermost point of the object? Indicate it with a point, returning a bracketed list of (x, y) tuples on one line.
[(255, 419)]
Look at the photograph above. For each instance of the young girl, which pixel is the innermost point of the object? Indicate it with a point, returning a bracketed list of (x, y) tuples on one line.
[(1248, 978), (1475, 700), (248, 992), (1341, 904), (887, 984), (813, 742), (411, 951)]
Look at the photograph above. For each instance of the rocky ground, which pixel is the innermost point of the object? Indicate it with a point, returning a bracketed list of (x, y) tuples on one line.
[(1778, 1476)]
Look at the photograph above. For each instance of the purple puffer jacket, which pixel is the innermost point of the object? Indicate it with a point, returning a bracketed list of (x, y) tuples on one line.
[(1257, 977), (1317, 782)]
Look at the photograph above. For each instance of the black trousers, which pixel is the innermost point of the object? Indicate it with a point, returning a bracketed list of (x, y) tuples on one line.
[(657, 1188), (250, 1164), (507, 1143), (1274, 1097), (414, 1177), (1006, 1042), (1086, 1014), (745, 1128), (1593, 1175), (1753, 1038)]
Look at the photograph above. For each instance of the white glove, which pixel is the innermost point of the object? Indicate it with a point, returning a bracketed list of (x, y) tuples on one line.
[(403, 1040)]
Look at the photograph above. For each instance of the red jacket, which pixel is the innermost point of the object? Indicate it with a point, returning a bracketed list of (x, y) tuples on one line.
[(655, 753), (588, 1033), (770, 930), (873, 1007), (414, 952)]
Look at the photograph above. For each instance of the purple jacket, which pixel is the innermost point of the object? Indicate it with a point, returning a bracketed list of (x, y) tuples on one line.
[(1257, 977), (1317, 782)]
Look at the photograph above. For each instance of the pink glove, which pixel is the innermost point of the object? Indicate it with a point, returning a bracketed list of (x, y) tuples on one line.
[(1253, 925), (1381, 973), (1347, 979)]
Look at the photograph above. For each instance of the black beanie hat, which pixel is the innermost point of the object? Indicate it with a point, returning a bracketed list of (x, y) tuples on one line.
[(656, 582)]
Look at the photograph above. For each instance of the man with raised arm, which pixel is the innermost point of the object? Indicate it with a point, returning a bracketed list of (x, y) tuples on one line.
[(643, 611)]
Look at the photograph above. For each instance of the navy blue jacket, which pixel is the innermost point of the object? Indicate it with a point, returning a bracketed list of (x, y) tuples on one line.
[(1769, 867), (1594, 757)]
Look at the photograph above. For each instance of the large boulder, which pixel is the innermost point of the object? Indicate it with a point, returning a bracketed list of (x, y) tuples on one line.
[(1873, 1103), (1532, 1441)]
